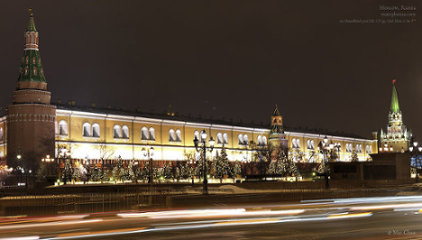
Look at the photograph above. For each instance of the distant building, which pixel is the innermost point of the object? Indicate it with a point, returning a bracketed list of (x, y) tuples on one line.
[(32, 124), (397, 137)]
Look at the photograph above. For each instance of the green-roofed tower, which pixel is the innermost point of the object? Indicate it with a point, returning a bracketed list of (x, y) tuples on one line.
[(31, 68), (31, 117), (397, 137)]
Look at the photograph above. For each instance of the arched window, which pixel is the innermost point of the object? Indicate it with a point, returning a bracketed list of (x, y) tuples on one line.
[(241, 139), (178, 135), (63, 130), (225, 138), (96, 130), (258, 140), (264, 140), (219, 138), (245, 139), (144, 133), (125, 132), (294, 143), (368, 149), (172, 135), (196, 135), (152, 134), (117, 131), (86, 130)]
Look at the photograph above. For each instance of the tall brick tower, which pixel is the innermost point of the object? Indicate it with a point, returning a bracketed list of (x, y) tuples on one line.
[(31, 117)]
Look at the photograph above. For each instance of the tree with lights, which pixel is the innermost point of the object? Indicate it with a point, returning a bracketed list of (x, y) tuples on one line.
[(222, 166)]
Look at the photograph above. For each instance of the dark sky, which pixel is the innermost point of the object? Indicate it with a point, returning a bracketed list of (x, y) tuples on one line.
[(231, 59)]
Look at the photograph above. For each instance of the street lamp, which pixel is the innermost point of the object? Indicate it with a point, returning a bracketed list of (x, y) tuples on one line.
[(149, 153), (204, 150)]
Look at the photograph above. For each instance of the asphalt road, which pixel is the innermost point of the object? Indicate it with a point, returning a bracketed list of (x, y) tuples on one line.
[(358, 218)]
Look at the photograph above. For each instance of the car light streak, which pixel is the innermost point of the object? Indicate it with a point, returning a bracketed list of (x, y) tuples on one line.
[(22, 238), (207, 213), (212, 224), (33, 225), (388, 206)]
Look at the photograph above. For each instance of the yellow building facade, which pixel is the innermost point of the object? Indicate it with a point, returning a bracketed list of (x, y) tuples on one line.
[(92, 135)]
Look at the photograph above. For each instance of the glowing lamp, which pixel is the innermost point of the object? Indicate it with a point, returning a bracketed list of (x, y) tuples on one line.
[(204, 135), (411, 148), (415, 144)]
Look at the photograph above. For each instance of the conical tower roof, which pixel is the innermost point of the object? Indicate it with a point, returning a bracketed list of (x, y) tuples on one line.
[(31, 68), (276, 112), (31, 25), (394, 100)]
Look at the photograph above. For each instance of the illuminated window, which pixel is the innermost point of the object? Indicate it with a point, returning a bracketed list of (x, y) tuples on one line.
[(63, 130), (35, 70), (117, 131), (241, 139), (1, 134), (96, 130), (178, 135), (196, 135), (245, 139), (225, 138), (368, 149), (125, 132), (172, 136), (264, 140), (151, 134), (86, 130), (295, 143), (258, 140), (144, 133), (219, 138)]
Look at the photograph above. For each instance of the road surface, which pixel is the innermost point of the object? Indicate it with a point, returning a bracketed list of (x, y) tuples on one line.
[(356, 218)]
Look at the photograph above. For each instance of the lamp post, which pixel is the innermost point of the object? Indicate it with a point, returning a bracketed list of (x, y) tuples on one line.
[(149, 152), (325, 149), (204, 150)]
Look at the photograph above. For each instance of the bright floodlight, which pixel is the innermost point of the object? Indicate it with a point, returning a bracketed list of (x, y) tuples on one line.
[(203, 135), (212, 142)]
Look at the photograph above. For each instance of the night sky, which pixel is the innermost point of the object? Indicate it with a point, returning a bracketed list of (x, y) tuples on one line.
[(225, 59)]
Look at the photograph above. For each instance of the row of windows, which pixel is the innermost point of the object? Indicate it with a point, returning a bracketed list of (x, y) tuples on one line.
[(176, 136)]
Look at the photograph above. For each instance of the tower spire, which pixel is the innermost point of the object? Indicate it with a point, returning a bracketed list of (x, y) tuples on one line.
[(394, 99), (31, 69), (31, 24)]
